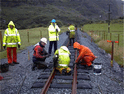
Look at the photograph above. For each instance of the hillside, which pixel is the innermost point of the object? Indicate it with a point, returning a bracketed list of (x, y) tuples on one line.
[(35, 13)]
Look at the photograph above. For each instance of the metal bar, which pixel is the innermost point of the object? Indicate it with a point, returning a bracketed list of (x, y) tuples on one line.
[(112, 53), (109, 19), (74, 84), (47, 85)]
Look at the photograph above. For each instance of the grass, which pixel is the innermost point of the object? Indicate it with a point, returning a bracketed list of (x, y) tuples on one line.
[(99, 32), (35, 34)]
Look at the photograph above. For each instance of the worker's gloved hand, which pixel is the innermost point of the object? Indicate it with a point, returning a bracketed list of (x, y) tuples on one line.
[(56, 30), (4, 47), (18, 46)]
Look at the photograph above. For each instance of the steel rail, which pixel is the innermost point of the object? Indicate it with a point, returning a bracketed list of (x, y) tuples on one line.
[(74, 83), (49, 80)]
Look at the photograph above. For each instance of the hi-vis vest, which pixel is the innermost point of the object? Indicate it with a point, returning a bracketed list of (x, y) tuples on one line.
[(64, 59), (53, 33), (11, 36), (72, 31)]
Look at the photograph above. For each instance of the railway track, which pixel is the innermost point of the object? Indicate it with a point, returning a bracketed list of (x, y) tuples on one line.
[(81, 81), (68, 81)]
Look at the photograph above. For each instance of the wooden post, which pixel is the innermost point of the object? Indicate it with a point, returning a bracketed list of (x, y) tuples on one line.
[(118, 39), (104, 35), (28, 36), (40, 34), (1, 40), (110, 36), (28, 55)]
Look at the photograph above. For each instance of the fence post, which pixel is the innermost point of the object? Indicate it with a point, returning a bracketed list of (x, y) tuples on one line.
[(104, 35), (1, 40), (28, 36), (110, 36), (118, 39)]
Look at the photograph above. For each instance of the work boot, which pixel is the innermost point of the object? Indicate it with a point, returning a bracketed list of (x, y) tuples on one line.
[(90, 67), (16, 62), (33, 67), (92, 62), (69, 73), (11, 64), (63, 72)]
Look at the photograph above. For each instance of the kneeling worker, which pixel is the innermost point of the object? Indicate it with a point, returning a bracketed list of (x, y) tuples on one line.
[(40, 54), (86, 57), (61, 60)]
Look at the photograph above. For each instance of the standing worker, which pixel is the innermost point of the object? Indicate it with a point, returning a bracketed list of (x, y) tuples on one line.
[(40, 54), (75, 27), (53, 35), (72, 33), (11, 40), (86, 57), (61, 60)]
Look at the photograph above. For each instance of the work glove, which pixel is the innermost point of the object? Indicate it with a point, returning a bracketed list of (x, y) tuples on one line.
[(4, 47), (56, 30), (18, 46)]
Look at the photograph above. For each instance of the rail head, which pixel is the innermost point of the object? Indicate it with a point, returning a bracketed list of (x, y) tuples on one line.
[(47, 84), (74, 84)]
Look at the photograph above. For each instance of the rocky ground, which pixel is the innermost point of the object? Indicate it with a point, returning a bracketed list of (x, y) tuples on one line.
[(20, 78)]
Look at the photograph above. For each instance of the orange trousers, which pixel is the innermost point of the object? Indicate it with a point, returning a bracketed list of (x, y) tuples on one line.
[(87, 60), (9, 49)]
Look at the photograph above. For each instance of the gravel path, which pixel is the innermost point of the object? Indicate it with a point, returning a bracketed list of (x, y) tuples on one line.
[(20, 78)]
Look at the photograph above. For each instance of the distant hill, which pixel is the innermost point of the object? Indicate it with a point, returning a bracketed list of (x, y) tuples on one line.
[(35, 13)]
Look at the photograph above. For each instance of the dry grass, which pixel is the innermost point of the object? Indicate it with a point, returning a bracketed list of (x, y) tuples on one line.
[(118, 51)]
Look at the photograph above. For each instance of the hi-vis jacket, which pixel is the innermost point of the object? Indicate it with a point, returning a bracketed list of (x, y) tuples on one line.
[(64, 59), (52, 32), (72, 31), (11, 36), (83, 51)]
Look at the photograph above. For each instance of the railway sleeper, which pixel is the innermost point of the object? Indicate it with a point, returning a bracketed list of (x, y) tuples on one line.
[(65, 86), (79, 77)]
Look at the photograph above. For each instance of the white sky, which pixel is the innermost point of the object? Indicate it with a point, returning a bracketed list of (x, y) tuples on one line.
[(122, 0)]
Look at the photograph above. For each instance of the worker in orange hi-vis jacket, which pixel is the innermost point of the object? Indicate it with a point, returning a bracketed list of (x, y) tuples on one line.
[(86, 57)]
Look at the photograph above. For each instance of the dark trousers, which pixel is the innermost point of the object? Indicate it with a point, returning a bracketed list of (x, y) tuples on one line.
[(50, 46), (39, 62), (71, 39)]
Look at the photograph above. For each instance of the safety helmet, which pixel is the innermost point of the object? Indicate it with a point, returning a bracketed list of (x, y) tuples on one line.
[(43, 40), (53, 21), (64, 48), (76, 45)]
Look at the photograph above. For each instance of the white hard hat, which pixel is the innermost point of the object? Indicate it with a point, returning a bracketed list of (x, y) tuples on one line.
[(43, 40), (64, 48)]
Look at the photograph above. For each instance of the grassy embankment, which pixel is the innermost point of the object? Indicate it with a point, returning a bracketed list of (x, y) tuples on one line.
[(97, 31), (35, 35)]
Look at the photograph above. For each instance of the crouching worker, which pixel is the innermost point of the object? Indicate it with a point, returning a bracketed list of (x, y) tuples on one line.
[(40, 55), (86, 57), (61, 60)]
